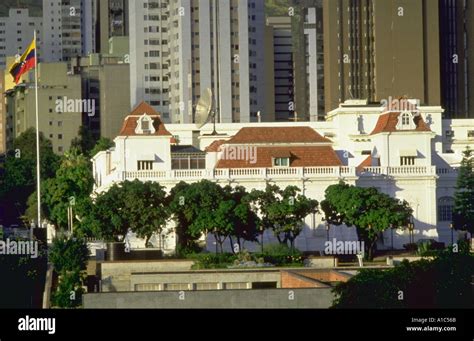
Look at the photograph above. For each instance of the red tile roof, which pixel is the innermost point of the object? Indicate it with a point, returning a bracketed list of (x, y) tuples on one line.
[(215, 146), (306, 156), (131, 121), (369, 162), (277, 135), (387, 123), (144, 108)]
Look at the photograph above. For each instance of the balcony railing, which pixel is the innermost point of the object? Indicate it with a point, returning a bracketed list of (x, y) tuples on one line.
[(399, 171), (450, 172), (279, 173)]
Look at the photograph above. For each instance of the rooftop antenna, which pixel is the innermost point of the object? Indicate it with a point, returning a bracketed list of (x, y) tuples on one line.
[(205, 112), (350, 93)]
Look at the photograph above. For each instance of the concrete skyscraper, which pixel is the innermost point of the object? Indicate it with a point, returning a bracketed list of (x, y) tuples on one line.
[(375, 49), (279, 75), (113, 22), (16, 33), (184, 47), (457, 64), (308, 40), (69, 28), (149, 54)]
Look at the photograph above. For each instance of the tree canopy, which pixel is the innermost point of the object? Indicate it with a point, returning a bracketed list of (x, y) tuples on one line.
[(72, 184), (429, 284), (368, 210), (205, 207), (84, 142), (463, 212), (136, 206), (18, 176), (102, 144), (283, 211)]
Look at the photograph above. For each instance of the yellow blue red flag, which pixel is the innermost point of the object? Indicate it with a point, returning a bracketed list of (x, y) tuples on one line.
[(26, 62)]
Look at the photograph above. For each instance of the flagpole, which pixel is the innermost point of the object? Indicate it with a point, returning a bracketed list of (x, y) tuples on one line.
[(38, 173)]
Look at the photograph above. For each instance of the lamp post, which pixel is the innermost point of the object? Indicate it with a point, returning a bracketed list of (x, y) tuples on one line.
[(263, 232), (215, 238), (327, 230), (451, 226), (391, 232), (411, 227)]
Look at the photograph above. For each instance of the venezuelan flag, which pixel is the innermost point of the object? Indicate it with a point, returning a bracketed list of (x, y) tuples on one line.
[(26, 62)]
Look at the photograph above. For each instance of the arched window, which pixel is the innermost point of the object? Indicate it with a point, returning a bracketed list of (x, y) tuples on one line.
[(445, 209)]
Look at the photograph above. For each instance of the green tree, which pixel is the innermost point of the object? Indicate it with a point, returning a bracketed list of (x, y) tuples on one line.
[(102, 144), (183, 203), (68, 254), (284, 211), (72, 184), (463, 212), (146, 209), (288, 214), (368, 210), (213, 213), (442, 283), (18, 179), (245, 220), (69, 292), (205, 207), (260, 201), (105, 217), (84, 142)]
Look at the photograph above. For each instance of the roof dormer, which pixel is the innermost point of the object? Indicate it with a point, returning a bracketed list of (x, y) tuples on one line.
[(406, 121), (145, 125)]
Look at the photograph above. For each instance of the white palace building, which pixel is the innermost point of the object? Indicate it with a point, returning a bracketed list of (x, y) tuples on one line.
[(404, 150)]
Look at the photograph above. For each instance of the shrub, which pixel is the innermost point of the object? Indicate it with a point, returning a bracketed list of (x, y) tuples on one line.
[(441, 283), (211, 260), (69, 254), (280, 254), (184, 251), (423, 249), (69, 292)]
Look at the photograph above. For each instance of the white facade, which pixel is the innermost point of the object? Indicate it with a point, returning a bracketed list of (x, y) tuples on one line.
[(16, 34), (406, 161)]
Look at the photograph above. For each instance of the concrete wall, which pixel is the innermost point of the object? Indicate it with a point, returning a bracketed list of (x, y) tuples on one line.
[(317, 298), (116, 275), (295, 280), (216, 280)]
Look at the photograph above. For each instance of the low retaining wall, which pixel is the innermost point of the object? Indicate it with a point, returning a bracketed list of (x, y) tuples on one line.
[(321, 262), (317, 298), (116, 276)]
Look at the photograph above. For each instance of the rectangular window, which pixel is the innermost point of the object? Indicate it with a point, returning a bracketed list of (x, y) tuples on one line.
[(145, 165), (147, 287), (407, 161), (176, 286), (206, 286), (281, 162), (445, 213), (236, 285), (184, 163)]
